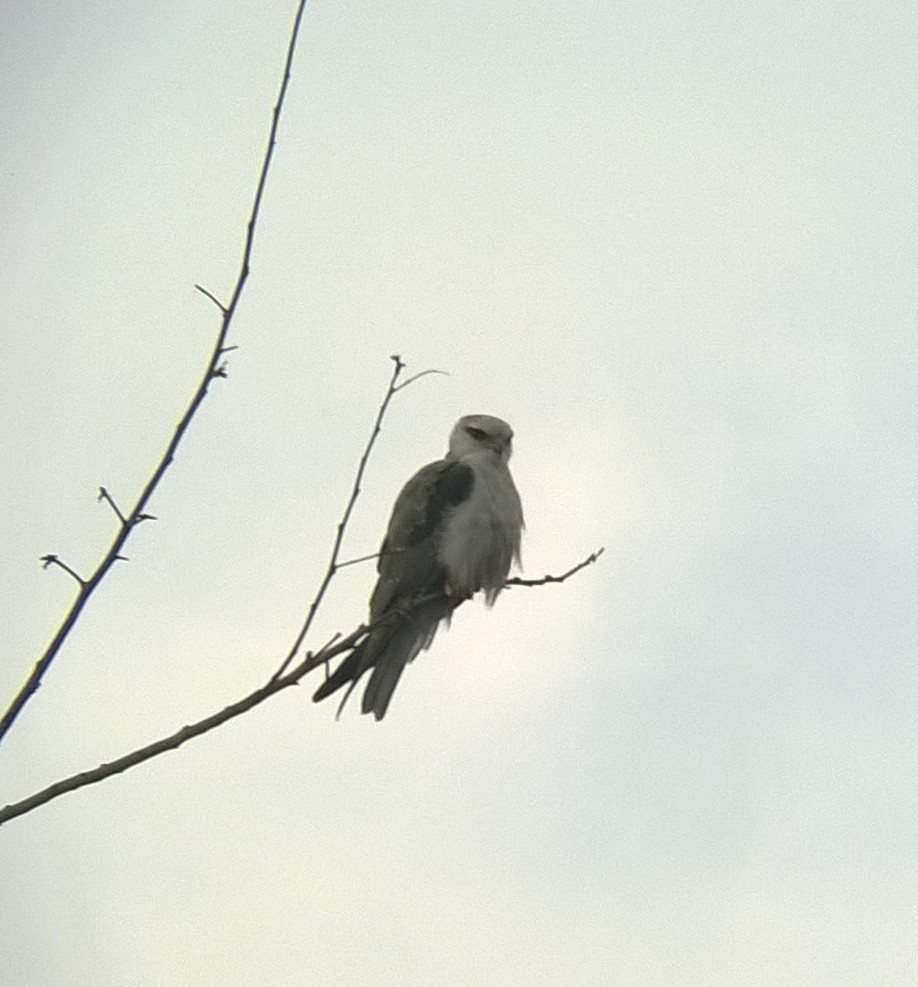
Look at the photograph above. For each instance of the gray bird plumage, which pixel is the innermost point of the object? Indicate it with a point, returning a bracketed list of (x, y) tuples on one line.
[(455, 529)]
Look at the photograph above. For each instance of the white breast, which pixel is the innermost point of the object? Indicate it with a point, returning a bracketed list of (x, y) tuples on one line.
[(481, 536)]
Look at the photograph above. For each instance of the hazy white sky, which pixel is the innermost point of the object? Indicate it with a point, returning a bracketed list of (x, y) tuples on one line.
[(675, 246)]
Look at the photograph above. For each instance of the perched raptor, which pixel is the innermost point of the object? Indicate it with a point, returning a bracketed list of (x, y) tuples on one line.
[(455, 529)]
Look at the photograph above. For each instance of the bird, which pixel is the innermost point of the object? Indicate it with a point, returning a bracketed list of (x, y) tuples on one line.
[(455, 529)]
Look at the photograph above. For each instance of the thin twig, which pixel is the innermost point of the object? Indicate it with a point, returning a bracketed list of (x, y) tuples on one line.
[(336, 646), (333, 564), (589, 560), (49, 560), (423, 373), (357, 561), (107, 497), (212, 297), (214, 369)]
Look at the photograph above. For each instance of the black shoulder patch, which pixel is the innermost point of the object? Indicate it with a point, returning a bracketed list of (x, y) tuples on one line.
[(454, 484), (452, 487)]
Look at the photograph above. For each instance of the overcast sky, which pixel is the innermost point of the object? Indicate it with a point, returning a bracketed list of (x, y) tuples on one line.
[(674, 245)]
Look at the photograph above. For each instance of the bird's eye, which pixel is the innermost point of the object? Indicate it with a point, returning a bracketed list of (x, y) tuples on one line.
[(477, 434)]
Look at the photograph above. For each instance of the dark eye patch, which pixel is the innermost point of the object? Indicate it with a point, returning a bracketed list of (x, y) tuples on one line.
[(476, 433)]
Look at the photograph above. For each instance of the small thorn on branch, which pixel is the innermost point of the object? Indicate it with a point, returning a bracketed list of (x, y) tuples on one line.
[(144, 517), (219, 371), (227, 349), (107, 497), (215, 300), (49, 560)]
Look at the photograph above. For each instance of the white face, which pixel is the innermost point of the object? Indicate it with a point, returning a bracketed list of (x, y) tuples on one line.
[(479, 433)]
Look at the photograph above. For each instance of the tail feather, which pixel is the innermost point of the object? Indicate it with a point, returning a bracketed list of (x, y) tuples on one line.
[(383, 681), (340, 677), (388, 648)]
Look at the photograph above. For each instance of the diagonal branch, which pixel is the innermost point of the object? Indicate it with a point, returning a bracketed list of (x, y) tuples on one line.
[(213, 370), (285, 676), (178, 738), (277, 683), (333, 564)]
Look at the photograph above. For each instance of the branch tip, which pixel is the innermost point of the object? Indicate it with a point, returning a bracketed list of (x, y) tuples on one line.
[(214, 299), (423, 373), (49, 560), (589, 560), (107, 497), (213, 369)]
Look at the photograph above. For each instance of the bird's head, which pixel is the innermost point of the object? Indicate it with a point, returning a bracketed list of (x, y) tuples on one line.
[(480, 433)]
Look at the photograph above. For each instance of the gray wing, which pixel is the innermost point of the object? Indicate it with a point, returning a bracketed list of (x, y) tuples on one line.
[(408, 561), (409, 571)]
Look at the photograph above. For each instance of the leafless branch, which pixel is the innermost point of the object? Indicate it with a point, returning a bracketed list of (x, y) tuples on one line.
[(107, 497), (333, 564), (423, 373), (335, 647), (359, 559), (589, 560), (212, 297), (213, 369), (49, 560), (285, 676), (178, 738)]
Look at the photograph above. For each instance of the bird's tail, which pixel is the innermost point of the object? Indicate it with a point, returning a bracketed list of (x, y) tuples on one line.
[(391, 644), (344, 673)]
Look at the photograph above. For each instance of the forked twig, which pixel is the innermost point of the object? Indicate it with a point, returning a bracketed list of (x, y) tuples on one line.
[(213, 370), (49, 560), (285, 676), (278, 682), (333, 564)]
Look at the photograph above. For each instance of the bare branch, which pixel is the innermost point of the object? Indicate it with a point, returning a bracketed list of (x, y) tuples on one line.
[(107, 497), (49, 560), (178, 738), (285, 676), (215, 300), (214, 368), (336, 646), (359, 559), (589, 560), (333, 564), (423, 373)]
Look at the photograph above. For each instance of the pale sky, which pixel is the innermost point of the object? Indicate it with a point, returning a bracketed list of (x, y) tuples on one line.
[(674, 245)]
